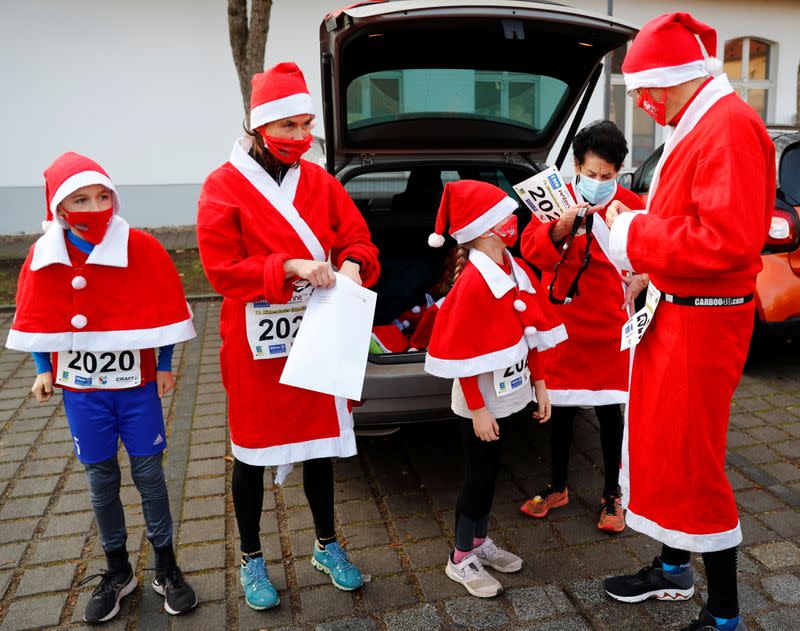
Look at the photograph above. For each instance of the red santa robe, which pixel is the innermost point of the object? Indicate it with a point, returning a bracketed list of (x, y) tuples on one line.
[(708, 216), (588, 368), (127, 296), (247, 228), (489, 321)]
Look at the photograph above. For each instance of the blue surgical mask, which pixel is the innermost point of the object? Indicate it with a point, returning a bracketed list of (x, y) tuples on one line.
[(595, 190)]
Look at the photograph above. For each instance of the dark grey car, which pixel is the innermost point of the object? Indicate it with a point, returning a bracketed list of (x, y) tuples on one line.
[(419, 93)]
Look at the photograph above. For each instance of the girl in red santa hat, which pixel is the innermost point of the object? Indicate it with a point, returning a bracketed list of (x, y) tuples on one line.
[(85, 310), (589, 368), (486, 338), (272, 227)]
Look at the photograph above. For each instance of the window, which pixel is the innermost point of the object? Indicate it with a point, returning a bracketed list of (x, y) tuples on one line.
[(640, 130), (521, 99), (749, 68)]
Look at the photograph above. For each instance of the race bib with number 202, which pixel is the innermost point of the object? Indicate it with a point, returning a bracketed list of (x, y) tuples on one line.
[(511, 379), (271, 328), (99, 370)]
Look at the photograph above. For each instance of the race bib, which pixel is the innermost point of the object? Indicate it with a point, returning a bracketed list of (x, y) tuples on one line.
[(271, 328), (633, 330), (511, 379), (99, 370)]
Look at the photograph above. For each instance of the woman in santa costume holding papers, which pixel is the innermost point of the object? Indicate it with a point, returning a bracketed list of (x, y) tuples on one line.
[(268, 224), (95, 298), (700, 242), (487, 337), (587, 369)]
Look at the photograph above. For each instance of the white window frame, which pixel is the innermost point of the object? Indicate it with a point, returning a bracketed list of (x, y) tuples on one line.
[(745, 84)]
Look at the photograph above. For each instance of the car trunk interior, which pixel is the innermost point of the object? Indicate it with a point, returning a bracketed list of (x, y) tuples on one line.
[(400, 207)]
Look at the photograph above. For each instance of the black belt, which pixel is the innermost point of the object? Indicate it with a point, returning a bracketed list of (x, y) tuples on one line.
[(707, 301)]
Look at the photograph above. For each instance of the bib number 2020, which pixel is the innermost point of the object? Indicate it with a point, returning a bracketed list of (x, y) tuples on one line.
[(88, 362)]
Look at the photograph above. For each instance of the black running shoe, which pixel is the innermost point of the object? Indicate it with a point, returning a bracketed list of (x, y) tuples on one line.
[(179, 597), (651, 582), (707, 622), (113, 587)]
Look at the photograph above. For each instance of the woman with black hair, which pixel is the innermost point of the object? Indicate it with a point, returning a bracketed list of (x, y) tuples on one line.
[(588, 369)]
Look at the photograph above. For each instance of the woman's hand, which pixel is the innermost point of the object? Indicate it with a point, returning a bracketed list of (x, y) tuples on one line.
[(318, 273), (165, 381), (563, 226), (634, 284), (43, 386), (485, 425), (615, 209), (352, 271), (543, 412)]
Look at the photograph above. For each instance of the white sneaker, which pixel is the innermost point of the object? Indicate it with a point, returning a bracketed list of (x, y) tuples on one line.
[(473, 577), (489, 554)]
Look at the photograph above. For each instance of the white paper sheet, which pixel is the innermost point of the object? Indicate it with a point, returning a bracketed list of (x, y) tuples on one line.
[(330, 351)]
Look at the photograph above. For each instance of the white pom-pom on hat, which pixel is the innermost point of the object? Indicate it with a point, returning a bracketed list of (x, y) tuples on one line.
[(435, 240), (715, 66)]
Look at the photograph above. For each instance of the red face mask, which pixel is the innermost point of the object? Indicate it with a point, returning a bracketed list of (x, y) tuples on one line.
[(508, 231), (287, 150), (656, 109), (91, 226)]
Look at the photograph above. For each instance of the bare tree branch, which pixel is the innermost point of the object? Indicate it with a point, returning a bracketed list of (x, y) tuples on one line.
[(248, 41)]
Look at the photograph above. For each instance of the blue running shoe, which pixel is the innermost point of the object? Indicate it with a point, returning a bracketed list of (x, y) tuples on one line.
[(332, 560), (258, 591)]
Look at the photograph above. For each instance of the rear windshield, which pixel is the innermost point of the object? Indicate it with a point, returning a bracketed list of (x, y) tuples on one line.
[(524, 100)]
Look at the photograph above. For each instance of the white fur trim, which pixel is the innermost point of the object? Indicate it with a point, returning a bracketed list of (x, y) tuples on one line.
[(587, 397), (450, 368), (131, 340), (280, 196), (288, 106), (50, 248), (486, 221), (618, 241), (665, 77), (544, 340), (342, 446), (683, 540), (113, 249), (79, 282), (79, 180), (435, 240), (495, 278)]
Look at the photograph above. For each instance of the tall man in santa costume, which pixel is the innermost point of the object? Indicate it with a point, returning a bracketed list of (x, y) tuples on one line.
[(95, 299), (699, 241), (268, 223)]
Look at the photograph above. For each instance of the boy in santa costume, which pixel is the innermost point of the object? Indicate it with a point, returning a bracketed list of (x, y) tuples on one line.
[(588, 369), (699, 242), (95, 298), (486, 338), (268, 223)]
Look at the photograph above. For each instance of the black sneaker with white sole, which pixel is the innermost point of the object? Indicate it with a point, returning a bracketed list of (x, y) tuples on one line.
[(707, 622), (651, 582), (113, 587), (179, 597)]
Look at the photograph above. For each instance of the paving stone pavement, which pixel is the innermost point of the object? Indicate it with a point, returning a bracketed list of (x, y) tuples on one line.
[(395, 511)]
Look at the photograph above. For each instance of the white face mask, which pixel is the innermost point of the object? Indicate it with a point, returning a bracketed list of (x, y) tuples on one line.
[(595, 190)]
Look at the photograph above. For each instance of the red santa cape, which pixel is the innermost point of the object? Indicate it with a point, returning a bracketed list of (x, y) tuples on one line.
[(708, 215), (465, 342), (127, 296), (588, 368), (248, 226)]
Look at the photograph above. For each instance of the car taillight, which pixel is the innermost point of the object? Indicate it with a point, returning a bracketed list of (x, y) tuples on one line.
[(784, 231)]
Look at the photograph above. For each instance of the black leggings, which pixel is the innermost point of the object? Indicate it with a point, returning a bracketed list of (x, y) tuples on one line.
[(723, 595), (611, 427), (248, 499), (481, 466)]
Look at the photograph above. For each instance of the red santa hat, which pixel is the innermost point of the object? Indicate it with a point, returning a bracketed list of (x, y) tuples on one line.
[(671, 49), (277, 93), (470, 208), (69, 172)]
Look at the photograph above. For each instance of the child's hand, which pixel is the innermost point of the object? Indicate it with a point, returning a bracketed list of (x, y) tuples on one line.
[(542, 414), (485, 425), (165, 381), (43, 386)]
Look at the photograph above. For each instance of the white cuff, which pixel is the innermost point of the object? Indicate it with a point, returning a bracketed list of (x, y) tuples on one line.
[(618, 240)]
